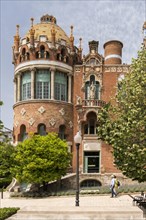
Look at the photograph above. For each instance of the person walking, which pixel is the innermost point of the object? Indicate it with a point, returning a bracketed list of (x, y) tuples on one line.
[(113, 187)]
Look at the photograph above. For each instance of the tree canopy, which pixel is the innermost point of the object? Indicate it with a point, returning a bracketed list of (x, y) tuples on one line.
[(123, 124), (6, 159), (41, 159), (6, 162), (1, 123)]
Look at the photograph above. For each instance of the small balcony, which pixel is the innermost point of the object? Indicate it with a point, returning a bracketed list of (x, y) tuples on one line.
[(93, 103)]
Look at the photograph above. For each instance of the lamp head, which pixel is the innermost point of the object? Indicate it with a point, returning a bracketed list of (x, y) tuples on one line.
[(77, 138)]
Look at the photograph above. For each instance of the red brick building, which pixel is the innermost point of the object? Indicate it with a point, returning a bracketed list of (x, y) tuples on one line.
[(59, 90)]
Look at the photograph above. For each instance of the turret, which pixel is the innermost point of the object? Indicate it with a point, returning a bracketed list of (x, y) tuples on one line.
[(113, 52), (16, 40), (72, 39), (80, 49), (32, 32), (93, 47), (53, 34)]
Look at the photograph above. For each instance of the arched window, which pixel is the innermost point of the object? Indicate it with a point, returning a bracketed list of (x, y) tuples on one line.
[(43, 79), (23, 134), (42, 129), (62, 132), (91, 123), (61, 86), (47, 55), (37, 55), (23, 51), (28, 57), (42, 51), (26, 86), (62, 54), (67, 60), (58, 56), (90, 183)]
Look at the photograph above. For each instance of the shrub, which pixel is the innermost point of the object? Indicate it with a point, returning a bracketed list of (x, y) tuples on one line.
[(7, 212)]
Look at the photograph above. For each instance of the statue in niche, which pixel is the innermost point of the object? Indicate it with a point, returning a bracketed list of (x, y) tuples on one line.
[(79, 101), (92, 90)]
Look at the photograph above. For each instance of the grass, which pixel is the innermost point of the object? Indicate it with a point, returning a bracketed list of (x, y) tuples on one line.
[(7, 212)]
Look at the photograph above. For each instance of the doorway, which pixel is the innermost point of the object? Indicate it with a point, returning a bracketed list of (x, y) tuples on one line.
[(91, 162)]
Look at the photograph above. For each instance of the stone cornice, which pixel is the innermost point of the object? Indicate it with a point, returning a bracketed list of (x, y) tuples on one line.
[(43, 64), (117, 68)]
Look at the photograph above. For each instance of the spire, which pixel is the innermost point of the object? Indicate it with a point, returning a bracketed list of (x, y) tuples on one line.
[(53, 33), (17, 30), (32, 19), (80, 45), (16, 39), (72, 38), (32, 32), (80, 48)]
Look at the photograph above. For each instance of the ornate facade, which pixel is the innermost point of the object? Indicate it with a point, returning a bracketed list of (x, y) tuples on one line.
[(59, 90)]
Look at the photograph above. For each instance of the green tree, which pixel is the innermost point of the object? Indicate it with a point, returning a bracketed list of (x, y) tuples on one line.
[(1, 124), (6, 162), (6, 159), (123, 124), (41, 159)]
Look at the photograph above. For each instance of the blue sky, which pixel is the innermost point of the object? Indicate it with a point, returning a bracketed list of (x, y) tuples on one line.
[(100, 20)]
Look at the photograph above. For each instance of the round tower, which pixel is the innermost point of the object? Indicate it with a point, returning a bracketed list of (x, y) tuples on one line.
[(113, 52), (43, 79)]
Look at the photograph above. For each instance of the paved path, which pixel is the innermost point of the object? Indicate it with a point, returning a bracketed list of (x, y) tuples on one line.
[(93, 207)]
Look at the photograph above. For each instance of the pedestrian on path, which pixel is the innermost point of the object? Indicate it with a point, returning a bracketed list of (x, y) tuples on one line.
[(113, 187)]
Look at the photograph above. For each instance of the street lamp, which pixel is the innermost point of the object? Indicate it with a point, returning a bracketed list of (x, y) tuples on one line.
[(77, 140)]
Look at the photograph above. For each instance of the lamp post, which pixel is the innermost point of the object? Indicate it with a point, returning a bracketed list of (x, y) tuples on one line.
[(77, 140)]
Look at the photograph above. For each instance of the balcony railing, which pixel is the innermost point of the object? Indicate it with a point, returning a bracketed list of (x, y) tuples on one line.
[(93, 103)]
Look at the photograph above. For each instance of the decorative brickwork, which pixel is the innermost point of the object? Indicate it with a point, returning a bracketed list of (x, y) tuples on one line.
[(53, 85)]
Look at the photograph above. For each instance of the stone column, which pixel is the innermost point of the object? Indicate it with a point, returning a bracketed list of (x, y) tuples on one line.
[(15, 90), (52, 83), (69, 87), (33, 70), (19, 87)]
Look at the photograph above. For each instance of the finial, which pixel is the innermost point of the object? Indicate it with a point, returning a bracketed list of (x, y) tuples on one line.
[(71, 27), (80, 46), (17, 30), (53, 20), (32, 19)]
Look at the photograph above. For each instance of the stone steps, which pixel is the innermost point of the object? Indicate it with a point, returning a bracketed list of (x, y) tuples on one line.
[(77, 215)]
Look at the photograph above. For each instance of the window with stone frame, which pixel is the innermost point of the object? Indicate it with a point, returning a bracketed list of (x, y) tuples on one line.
[(61, 81), (42, 51), (26, 86), (23, 134), (61, 134), (43, 81), (91, 124), (42, 129)]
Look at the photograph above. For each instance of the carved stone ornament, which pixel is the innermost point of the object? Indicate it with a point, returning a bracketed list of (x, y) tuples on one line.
[(23, 111), (31, 121), (52, 121), (71, 124), (117, 69), (79, 100), (41, 109), (62, 112), (16, 124)]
